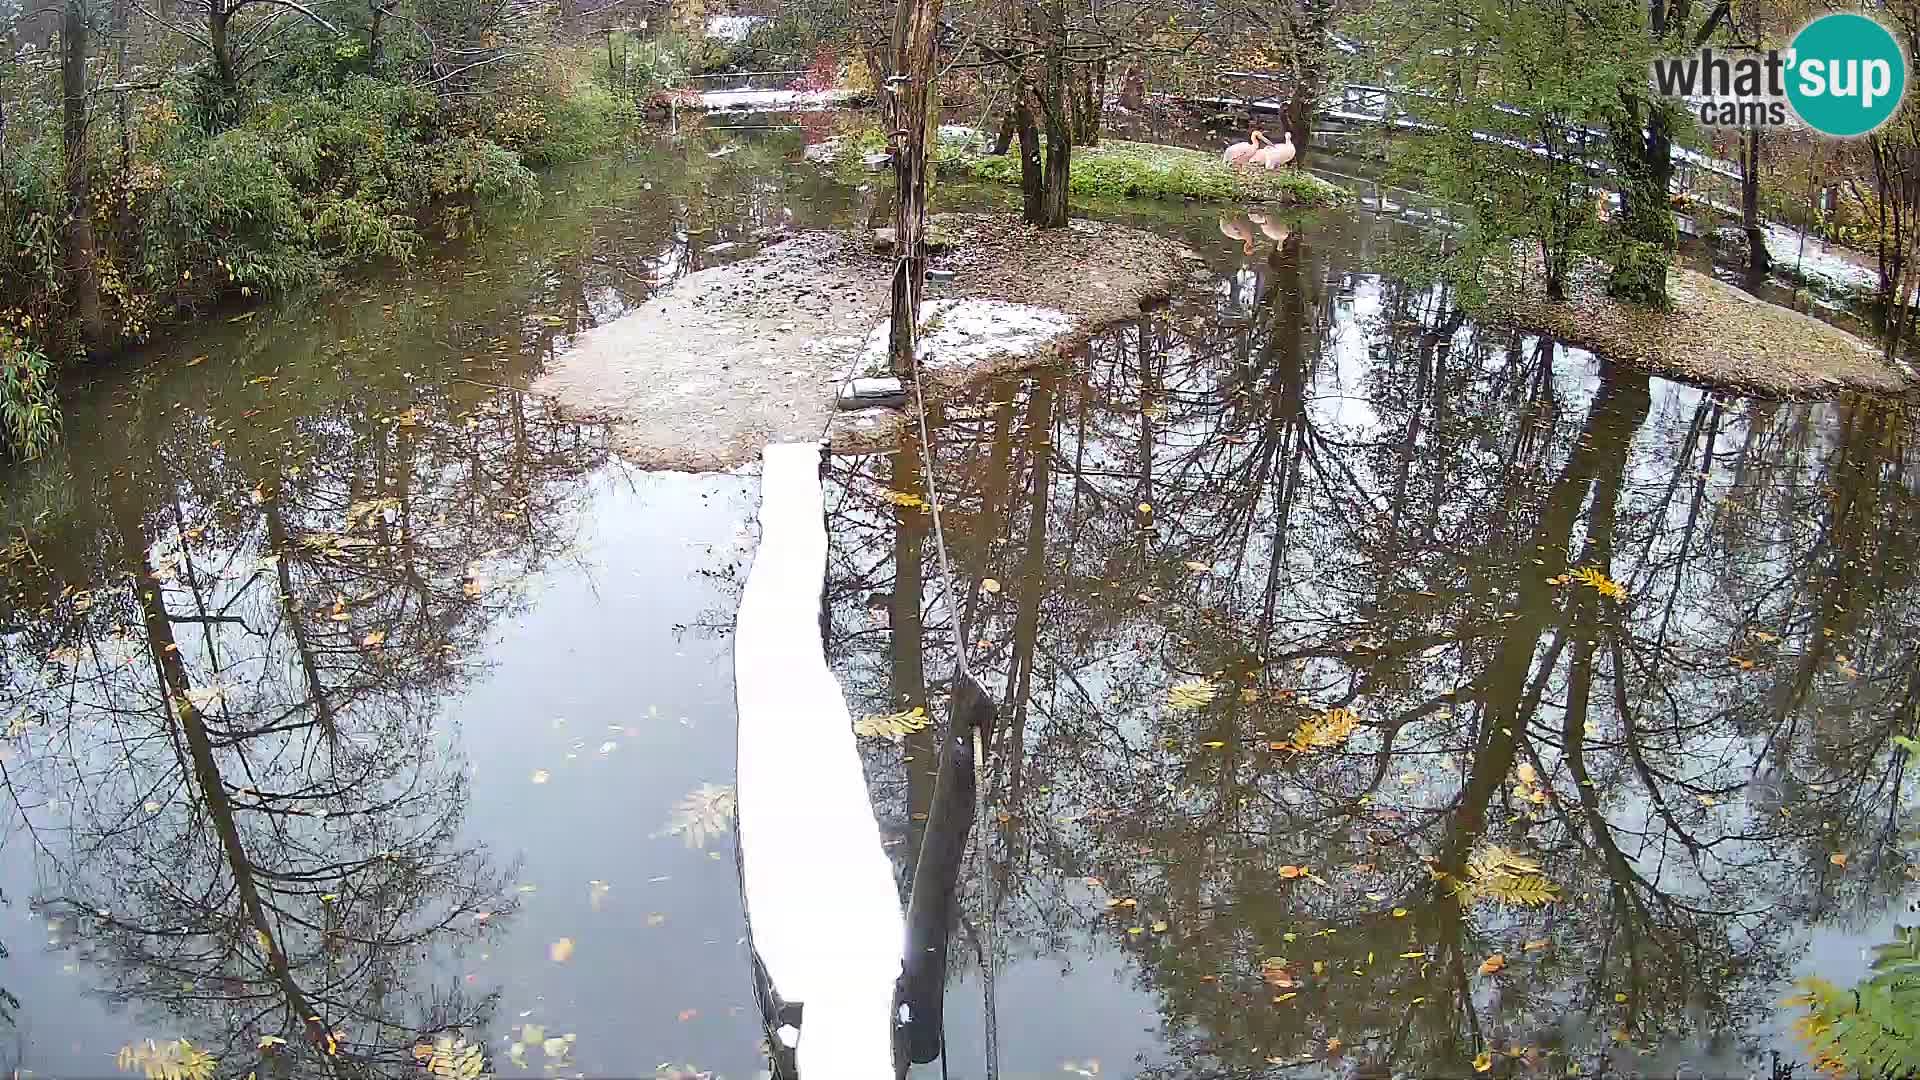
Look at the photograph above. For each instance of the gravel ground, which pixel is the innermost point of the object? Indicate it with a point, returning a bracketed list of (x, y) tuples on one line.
[(704, 374), (1716, 335)]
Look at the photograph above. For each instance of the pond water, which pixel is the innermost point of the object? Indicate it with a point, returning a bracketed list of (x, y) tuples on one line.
[(354, 702)]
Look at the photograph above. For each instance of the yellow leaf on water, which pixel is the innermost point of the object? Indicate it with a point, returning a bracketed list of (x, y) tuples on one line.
[(540, 776), (1190, 695), (903, 498), (1323, 732), (1536, 945), (1399, 913), (891, 725), (561, 951), (1413, 956), (1160, 927), (374, 639), (1198, 567), (1291, 871), (1621, 998), (1288, 996), (990, 585), (1482, 1061), (1214, 744), (1838, 858), (1136, 929), (1492, 965)]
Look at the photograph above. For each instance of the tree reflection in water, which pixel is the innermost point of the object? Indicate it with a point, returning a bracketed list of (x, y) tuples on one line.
[(1325, 490), (231, 761)]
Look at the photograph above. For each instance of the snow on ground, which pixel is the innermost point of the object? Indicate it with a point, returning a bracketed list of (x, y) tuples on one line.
[(959, 333), (733, 28), (774, 100), (1818, 261)]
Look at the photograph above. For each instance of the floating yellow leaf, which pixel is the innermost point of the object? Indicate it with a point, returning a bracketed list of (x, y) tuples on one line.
[(1292, 871), (561, 951), (1323, 732), (1288, 996), (540, 776), (1399, 913), (1592, 577), (703, 814), (1621, 998), (891, 725), (990, 585), (1536, 945), (1482, 1061), (1838, 858), (1213, 744), (1160, 927), (177, 1059), (1197, 566), (1190, 695), (374, 639), (904, 498), (1136, 929), (1493, 965), (1334, 1045), (1413, 956)]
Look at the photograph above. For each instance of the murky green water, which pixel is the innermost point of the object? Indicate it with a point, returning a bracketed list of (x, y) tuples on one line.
[(343, 681)]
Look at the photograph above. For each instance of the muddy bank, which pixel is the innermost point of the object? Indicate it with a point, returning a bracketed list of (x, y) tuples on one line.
[(703, 375), (1715, 335)]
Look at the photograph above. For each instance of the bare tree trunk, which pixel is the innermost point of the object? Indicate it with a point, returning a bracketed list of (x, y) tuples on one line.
[(81, 278), (1030, 181), (913, 59), (1758, 261), (1053, 192)]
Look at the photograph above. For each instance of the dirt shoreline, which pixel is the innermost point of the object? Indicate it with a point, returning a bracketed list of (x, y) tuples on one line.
[(704, 374), (1716, 335)]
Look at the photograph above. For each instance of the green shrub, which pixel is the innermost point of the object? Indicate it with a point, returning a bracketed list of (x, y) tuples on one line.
[(227, 209), (29, 416)]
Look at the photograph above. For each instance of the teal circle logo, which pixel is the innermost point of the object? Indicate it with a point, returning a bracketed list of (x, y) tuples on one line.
[(1846, 75)]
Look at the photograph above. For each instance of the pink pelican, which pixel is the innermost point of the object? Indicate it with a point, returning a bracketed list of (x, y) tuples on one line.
[(1241, 153), (1275, 154)]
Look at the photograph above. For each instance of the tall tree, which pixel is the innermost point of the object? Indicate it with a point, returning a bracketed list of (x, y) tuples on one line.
[(914, 85), (81, 276)]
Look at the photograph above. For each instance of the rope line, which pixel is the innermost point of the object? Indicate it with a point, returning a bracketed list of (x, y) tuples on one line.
[(902, 265)]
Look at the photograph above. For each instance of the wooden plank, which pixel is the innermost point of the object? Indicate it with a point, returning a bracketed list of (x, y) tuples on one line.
[(820, 894)]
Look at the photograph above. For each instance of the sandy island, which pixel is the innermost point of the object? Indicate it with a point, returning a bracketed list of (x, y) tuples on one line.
[(726, 360), (1716, 335)]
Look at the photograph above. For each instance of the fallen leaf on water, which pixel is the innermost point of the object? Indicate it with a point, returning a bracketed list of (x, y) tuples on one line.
[(1291, 871), (1160, 927), (1214, 744), (1288, 996), (1136, 929), (1334, 1045), (1482, 1061), (1146, 508), (1620, 998), (1492, 964), (990, 585), (1838, 858), (1413, 956), (561, 951), (196, 360), (1536, 945), (1189, 695), (655, 919), (896, 725), (688, 1014), (1198, 567), (374, 639), (1399, 913), (539, 776)]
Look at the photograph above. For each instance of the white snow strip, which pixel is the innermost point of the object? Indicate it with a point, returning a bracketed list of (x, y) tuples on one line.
[(1817, 261), (733, 28), (774, 100), (819, 889), (959, 333)]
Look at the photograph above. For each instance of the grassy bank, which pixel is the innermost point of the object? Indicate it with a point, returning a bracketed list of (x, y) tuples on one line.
[(1114, 169), (320, 162)]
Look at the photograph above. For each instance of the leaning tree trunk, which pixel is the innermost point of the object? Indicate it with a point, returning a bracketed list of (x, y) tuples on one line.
[(81, 278), (914, 58)]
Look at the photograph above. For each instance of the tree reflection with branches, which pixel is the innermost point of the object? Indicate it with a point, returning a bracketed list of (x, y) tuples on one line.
[(1648, 643)]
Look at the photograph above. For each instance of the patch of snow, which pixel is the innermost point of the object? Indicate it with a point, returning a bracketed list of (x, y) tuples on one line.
[(774, 100), (819, 888), (1818, 261), (961, 333), (733, 28)]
